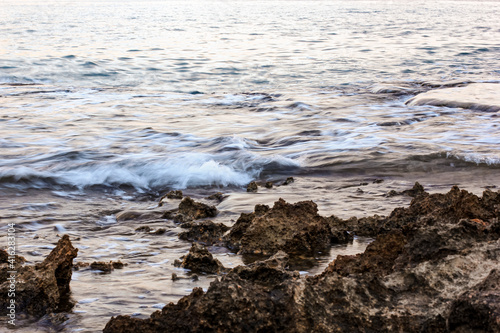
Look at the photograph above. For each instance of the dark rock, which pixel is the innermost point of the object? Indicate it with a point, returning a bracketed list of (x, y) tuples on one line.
[(416, 190), (434, 268), (257, 298), (144, 228), (105, 267), (199, 260), (479, 308), (269, 185), (252, 187), (175, 277), (190, 210), (289, 180), (174, 195), (293, 228), (206, 232), (378, 181), (117, 264), (42, 288), (218, 197)]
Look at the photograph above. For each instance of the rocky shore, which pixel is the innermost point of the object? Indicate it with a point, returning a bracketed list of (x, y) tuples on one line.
[(434, 266)]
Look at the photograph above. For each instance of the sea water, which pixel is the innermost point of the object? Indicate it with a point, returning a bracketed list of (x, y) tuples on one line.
[(107, 105)]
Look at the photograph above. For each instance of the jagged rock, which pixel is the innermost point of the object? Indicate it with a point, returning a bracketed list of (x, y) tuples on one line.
[(294, 228), (174, 194), (289, 180), (42, 288), (206, 232), (199, 260), (453, 206), (190, 210), (269, 185), (252, 187), (151, 231), (434, 271), (257, 298), (416, 190)]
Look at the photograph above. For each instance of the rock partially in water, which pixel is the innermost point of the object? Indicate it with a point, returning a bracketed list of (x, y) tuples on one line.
[(252, 187), (257, 298), (190, 210), (416, 190), (452, 207), (293, 228), (475, 96), (106, 267), (43, 288), (206, 232), (436, 270), (199, 260)]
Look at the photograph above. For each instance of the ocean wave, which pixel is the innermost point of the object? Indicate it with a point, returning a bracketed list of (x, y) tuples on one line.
[(146, 173)]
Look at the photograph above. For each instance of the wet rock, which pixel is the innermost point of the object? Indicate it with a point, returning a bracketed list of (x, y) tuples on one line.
[(148, 229), (269, 185), (252, 187), (434, 271), (257, 298), (106, 267), (479, 308), (174, 195), (452, 206), (289, 180), (206, 232), (218, 197), (175, 277), (293, 228), (190, 210), (199, 260), (43, 288), (144, 228), (475, 96), (416, 190)]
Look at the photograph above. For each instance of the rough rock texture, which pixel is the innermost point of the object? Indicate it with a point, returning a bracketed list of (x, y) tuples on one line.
[(294, 228), (43, 288), (478, 309), (257, 298), (252, 187), (190, 210), (199, 260), (434, 271), (452, 206), (206, 232)]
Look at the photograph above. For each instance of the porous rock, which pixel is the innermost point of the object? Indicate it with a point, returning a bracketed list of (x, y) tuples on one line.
[(436, 271), (294, 228), (206, 232), (257, 298), (190, 210), (43, 288), (200, 260)]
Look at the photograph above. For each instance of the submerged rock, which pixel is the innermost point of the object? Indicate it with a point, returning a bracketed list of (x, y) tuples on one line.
[(190, 210), (435, 270), (206, 232), (43, 288), (475, 96), (199, 260)]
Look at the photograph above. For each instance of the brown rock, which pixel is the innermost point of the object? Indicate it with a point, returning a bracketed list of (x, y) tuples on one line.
[(252, 187), (199, 260), (206, 232), (257, 298), (43, 288), (293, 228), (190, 210)]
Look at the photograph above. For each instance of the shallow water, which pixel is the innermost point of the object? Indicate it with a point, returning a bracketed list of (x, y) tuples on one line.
[(107, 105)]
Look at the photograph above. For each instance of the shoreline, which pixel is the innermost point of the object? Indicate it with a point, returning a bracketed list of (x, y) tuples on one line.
[(366, 221)]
